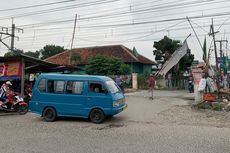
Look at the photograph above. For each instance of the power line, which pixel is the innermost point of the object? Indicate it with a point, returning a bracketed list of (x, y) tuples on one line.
[(59, 9), (133, 31), (88, 27), (68, 20), (39, 5), (91, 30), (153, 9)]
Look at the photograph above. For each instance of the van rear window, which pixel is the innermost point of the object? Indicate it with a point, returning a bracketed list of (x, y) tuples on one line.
[(42, 85)]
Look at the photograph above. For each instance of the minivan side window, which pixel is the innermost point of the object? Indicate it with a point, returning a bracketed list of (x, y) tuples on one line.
[(96, 87), (42, 85), (56, 86), (74, 87)]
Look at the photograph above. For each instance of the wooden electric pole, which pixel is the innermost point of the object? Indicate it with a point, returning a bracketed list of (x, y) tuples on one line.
[(71, 47), (212, 33)]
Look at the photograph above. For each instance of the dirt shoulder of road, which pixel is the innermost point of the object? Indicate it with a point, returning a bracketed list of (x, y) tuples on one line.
[(186, 115)]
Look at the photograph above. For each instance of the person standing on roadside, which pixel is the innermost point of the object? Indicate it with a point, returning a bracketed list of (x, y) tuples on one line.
[(151, 84), (119, 82), (190, 84)]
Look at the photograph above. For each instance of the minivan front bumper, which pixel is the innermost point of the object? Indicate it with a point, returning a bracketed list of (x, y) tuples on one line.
[(119, 109)]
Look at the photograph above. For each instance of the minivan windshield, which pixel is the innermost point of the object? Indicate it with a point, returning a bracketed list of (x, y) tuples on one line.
[(112, 87)]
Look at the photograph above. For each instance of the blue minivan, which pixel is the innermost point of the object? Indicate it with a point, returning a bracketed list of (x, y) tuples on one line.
[(86, 96)]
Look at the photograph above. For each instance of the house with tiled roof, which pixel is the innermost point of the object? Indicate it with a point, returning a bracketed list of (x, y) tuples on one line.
[(138, 63)]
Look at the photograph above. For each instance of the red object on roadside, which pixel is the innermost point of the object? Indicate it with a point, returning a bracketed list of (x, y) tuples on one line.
[(209, 97)]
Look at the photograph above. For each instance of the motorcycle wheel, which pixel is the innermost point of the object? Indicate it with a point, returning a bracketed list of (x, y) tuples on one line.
[(23, 109)]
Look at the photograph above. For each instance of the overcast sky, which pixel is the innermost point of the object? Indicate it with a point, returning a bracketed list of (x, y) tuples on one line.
[(109, 22)]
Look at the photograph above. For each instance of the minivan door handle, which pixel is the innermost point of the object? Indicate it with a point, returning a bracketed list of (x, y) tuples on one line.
[(89, 98)]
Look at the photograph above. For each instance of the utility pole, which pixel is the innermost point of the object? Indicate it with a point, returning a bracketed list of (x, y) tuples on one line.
[(220, 41), (5, 32), (212, 33), (12, 36), (74, 28)]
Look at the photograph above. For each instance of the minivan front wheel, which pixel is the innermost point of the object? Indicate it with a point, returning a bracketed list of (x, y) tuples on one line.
[(97, 116), (49, 114)]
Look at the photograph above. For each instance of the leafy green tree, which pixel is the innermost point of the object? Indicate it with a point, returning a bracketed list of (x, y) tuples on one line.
[(165, 47), (50, 50), (104, 65), (163, 51), (186, 61), (33, 54), (13, 53)]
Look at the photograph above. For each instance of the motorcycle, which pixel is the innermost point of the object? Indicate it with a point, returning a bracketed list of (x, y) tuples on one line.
[(15, 104)]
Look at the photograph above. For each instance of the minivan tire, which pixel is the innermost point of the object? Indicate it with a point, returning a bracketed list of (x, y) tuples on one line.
[(97, 116), (49, 114)]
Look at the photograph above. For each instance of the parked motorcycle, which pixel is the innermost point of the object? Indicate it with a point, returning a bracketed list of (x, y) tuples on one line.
[(15, 104)]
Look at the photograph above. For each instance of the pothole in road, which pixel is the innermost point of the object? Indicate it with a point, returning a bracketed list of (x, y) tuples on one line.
[(110, 126)]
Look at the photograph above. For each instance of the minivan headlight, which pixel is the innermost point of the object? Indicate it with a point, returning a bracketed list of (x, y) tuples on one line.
[(118, 102), (115, 104)]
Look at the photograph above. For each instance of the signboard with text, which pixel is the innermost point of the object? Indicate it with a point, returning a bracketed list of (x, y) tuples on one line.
[(10, 70)]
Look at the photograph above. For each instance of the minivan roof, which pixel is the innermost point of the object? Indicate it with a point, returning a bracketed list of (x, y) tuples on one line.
[(74, 77)]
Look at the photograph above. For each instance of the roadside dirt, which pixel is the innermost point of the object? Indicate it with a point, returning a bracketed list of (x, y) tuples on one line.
[(186, 115)]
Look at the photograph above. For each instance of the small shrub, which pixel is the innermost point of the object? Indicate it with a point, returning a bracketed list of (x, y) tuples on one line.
[(142, 81), (217, 107), (204, 105)]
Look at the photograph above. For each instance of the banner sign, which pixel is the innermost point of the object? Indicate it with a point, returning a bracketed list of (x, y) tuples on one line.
[(10, 70), (174, 59)]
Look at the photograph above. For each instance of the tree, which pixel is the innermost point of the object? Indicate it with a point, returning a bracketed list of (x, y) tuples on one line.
[(186, 61), (164, 48), (50, 50), (33, 54), (13, 53), (105, 65)]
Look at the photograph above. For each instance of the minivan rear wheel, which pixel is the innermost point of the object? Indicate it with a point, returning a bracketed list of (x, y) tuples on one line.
[(97, 116), (49, 114)]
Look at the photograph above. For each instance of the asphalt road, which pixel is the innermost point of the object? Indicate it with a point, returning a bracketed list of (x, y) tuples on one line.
[(137, 130)]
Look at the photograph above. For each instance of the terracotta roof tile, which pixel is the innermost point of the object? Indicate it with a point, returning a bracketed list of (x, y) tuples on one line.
[(118, 51)]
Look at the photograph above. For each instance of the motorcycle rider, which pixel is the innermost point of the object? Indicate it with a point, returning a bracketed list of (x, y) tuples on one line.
[(4, 90)]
